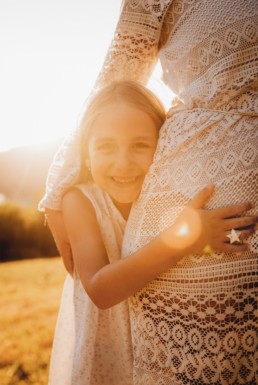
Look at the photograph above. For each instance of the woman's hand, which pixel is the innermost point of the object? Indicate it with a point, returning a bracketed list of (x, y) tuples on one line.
[(56, 224), (199, 231)]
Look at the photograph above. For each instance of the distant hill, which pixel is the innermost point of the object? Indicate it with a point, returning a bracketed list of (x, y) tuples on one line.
[(23, 172)]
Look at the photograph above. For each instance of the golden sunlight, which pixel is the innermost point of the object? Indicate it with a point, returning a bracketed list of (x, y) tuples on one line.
[(185, 231), (51, 56)]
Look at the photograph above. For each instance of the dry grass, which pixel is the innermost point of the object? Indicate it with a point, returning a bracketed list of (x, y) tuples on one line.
[(30, 292)]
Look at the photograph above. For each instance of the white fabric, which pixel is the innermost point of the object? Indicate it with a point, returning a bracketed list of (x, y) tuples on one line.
[(196, 324), (93, 346)]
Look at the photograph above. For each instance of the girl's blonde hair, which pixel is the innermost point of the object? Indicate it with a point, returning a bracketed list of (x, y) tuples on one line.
[(129, 92)]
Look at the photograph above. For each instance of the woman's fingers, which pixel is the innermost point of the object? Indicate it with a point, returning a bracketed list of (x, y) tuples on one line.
[(231, 211), (202, 197), (240, 222)]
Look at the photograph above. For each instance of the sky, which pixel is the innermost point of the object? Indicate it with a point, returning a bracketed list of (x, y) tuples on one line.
[(51, 54)]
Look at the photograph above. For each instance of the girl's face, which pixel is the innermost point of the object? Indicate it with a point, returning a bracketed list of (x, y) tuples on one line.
[(121, 143)]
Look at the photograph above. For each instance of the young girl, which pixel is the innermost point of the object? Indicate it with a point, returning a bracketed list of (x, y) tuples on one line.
[(119, 131)]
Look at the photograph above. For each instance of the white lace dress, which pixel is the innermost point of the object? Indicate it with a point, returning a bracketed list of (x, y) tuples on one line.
[(196, 324), (93, 346)]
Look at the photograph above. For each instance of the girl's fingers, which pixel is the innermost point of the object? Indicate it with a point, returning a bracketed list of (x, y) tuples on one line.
[(201, 197), (228, 248), (237, 223), (231, 211), (244, 234)]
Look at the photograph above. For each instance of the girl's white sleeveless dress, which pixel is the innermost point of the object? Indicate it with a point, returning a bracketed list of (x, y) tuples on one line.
[(93, 346)]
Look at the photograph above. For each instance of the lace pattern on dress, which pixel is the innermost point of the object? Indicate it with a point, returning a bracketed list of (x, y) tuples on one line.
[(134, 49), (197, 323)]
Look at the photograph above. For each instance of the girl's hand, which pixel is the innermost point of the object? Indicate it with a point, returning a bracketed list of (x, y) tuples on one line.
[(199, 231), (56, 224)]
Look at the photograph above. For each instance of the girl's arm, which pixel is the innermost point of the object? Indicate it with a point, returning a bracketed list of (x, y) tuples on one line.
[(110, 283)]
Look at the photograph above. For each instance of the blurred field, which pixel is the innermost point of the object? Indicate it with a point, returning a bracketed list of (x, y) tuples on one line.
[(30, 292)]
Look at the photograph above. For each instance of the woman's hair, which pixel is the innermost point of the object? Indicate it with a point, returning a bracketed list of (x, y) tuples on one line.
[(129, 92)]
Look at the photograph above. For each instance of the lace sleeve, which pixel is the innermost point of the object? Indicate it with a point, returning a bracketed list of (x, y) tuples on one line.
[(132, 55), (134, 49), (63, 170)]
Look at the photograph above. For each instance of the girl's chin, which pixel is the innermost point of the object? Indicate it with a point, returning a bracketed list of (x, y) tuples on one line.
[(120, 201), (124, 198)]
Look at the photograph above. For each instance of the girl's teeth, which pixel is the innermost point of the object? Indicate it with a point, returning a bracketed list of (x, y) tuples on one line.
[(124, 180)]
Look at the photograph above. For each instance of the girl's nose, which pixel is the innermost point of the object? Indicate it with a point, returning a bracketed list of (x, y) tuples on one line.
[(123, 159)]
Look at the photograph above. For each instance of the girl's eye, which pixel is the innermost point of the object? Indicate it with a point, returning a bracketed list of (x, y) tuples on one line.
[(141, 145), (105, 147)]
